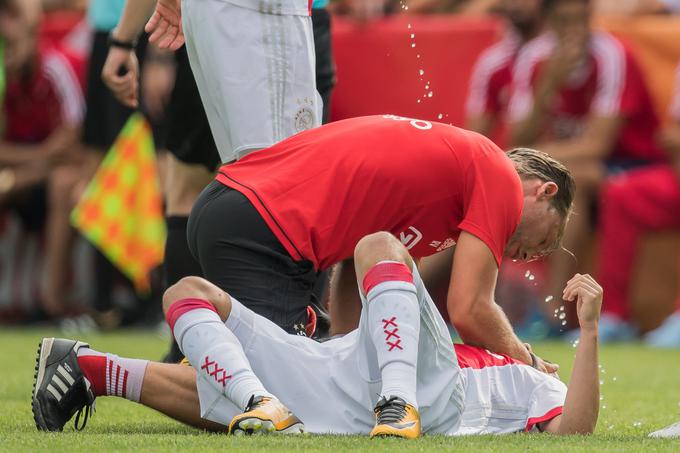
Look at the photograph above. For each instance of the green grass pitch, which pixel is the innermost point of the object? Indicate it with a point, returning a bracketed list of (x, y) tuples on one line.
[(640, 390)]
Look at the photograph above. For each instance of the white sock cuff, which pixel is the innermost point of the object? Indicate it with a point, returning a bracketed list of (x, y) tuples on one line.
[(391, 285), (197, 316), (136, 367)]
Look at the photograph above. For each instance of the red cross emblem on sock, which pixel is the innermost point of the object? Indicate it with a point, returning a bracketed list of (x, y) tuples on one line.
[(390, 328), (219, 374)]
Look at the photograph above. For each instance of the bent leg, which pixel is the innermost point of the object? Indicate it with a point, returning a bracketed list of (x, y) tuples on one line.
[(171, 390), (384, 267), (196, 311)]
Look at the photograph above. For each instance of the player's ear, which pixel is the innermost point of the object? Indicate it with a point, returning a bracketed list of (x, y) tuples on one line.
[(548, 190)]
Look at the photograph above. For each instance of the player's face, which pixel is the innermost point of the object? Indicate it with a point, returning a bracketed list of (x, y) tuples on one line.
[(523, 14), (570, 20), (19, 40), (538, 231)]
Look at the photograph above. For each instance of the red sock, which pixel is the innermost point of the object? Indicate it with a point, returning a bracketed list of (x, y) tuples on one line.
[(110, 375), (94, 369)]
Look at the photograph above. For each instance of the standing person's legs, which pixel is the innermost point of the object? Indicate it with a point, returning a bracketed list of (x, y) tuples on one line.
[(255, 74), (325, 65), (192, 160)]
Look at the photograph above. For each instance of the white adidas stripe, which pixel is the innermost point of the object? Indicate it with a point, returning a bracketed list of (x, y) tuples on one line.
[(54, 392), (57, 387), (59, 383), (61, 370)]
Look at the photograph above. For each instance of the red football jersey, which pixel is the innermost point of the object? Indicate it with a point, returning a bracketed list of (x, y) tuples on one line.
[(491, 78), (322, 190), (52, 96), (609, 83)]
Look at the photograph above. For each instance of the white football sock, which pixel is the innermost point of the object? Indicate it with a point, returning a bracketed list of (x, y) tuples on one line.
[(394, 323), (217, 355)]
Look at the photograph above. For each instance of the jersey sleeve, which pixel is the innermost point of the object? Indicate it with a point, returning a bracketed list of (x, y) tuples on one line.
[(615, 92), (524, 75), (546, 402), (65, 82), (494, 203), (481, 96)]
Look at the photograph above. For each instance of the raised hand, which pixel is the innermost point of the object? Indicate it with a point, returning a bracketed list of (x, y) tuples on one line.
[(587, 293), (165, 25)]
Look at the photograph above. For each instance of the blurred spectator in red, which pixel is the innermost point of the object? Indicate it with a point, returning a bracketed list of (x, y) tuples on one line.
[(634, 204), (43, 106), (579, 95), (489, 91)]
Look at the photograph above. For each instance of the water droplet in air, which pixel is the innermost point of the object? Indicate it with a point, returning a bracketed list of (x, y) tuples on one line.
[(418, 101), (429, 95), (562, 315), (601, 398), (615, 379), (564, 323), (405, 7), (548, 299), (421, 72), (440, 116), (413, 44), (561, 307), (604, 406), (413, 35), (575, 343), (637, 424), (601, 382), (408, 26), (532, 276), (527, 274), (418, 56)]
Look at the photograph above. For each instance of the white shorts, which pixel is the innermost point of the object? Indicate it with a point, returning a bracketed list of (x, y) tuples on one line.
[(255, 73), (333, 386)]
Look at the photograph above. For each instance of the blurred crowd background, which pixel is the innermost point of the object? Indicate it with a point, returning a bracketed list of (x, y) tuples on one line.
[(594, 83)]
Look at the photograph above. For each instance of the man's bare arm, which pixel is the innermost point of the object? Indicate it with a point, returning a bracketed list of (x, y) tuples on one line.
[(596, 141), (134, 17), (470, 302), (581, 407)]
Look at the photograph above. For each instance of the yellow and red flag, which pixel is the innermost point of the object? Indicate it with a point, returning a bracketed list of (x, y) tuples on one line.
[(121, 211)]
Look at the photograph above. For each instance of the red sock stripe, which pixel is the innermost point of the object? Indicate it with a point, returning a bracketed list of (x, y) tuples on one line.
[(182, 306), (125, 378), (94, 369), (386, 272)]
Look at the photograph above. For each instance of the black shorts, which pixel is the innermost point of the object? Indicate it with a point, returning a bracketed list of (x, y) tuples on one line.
[(239, 253), (325, 66), (188, 133), (104, 116)]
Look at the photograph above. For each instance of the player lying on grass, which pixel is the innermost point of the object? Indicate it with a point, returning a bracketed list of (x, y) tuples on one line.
[(398, 374)]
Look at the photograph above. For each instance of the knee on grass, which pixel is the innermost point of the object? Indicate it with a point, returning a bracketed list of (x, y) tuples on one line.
[(201, 289)]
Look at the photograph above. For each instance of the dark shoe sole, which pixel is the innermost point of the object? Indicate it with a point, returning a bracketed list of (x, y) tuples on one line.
[(44, 350)]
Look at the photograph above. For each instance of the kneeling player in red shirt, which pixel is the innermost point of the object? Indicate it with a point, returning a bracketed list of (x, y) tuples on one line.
[(275, 218), (398, 374)]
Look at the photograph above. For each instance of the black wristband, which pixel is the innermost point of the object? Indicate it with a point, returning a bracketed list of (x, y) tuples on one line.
[(128, 45)]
